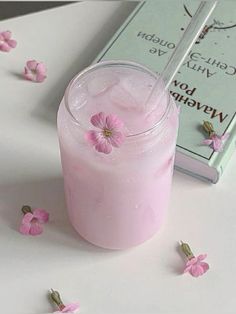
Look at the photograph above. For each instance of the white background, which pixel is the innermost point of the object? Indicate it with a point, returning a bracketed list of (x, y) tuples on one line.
[(143, 280)]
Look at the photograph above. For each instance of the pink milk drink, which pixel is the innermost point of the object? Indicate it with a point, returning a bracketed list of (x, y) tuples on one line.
[(117, 153)]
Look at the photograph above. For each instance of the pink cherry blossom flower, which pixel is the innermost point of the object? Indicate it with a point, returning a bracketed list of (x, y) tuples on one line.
[(196, 267), (6, 43), (69, 308), (35, 71), (110, 133), (32, 221), (216, 142)]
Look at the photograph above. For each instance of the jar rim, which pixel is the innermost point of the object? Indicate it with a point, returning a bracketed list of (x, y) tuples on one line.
[(108, 63)]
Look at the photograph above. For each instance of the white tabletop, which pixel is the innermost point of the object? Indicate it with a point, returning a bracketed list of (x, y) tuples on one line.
[(143, 280)]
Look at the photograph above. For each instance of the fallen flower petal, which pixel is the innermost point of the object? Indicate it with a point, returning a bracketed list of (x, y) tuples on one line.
[(25, 228), (207, 142), (35, 229), (41, 215)]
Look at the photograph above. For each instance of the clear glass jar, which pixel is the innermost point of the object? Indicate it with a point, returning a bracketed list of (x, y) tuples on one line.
[(117, 200)]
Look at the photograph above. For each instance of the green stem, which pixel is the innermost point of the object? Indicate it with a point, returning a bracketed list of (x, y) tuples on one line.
[(208, 128), (26, 209), (186, 250)]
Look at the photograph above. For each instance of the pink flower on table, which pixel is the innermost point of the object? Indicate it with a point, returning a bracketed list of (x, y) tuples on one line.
[(69, 308), (216, 141), (32, 221), (196, 267), (6, 43), (35, 71), (110, 133)]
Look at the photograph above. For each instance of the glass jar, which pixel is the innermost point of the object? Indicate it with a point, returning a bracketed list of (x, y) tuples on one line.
[(117, 200)]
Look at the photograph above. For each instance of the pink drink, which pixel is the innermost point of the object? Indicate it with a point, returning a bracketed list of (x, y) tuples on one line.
[(117, 200)]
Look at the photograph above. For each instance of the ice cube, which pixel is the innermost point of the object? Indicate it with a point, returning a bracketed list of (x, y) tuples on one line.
[(101, 83), (138, 88), (122, 99)]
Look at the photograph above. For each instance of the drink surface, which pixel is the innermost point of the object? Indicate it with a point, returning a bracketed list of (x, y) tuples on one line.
[(120, 199), (120, 91)]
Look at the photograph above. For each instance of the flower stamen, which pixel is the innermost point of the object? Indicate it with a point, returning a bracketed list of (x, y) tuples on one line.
[(107, 133)]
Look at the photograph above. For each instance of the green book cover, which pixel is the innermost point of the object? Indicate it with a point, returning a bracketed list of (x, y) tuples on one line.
[(205, 84)]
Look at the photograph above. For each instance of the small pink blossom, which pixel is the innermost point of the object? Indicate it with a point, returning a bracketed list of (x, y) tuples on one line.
[(31, 223), (69, 308), (196, 267), (6, 43), (35, 71), (110, 133), (216, 142)]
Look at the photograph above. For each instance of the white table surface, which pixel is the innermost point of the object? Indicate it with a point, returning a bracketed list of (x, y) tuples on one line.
[(143, 280)]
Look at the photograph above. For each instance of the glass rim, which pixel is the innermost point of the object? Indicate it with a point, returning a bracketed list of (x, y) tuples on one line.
[(121, 63)]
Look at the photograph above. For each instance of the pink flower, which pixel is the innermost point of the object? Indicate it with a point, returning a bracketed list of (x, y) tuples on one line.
[(32, 222), (110, 133), (6, 43), (35, 71), (216, 142), (196, 267), (69, 308)]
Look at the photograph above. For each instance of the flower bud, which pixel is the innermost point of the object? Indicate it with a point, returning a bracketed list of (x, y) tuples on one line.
[(186, 250), (208, 127), (26, 209), (55, 296)]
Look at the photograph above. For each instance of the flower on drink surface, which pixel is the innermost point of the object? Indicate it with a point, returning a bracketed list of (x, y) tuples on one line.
[(32, 221), (69, 308), (195, 265), (35, 71), (110, 133), (215, 141), (6, 43)]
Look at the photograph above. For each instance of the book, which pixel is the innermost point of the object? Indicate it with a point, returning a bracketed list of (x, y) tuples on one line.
[(204, 87)]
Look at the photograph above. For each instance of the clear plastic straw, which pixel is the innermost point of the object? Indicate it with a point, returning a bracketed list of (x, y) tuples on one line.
[(186, 42)]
